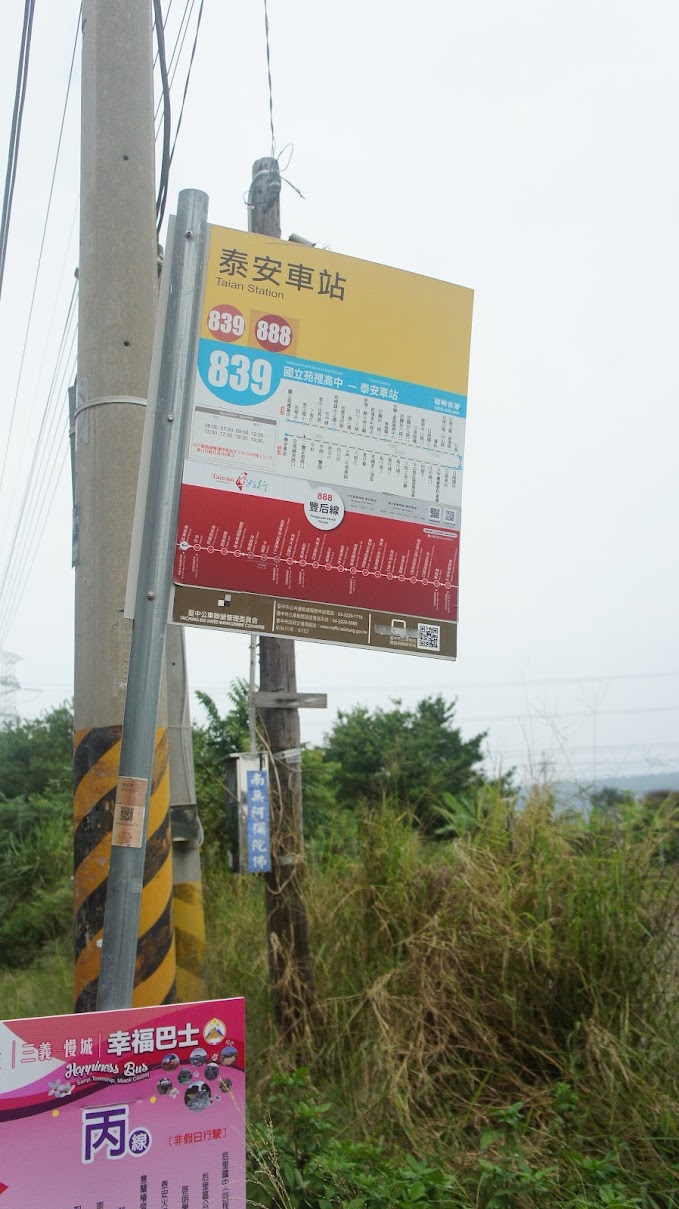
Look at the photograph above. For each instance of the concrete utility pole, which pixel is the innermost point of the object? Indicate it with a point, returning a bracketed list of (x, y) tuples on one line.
[(286, 916), (118, 298)]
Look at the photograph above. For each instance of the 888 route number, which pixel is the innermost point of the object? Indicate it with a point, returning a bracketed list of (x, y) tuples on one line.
[(274, 333), (225, 322)]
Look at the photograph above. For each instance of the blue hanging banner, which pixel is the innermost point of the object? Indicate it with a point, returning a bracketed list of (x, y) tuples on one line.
[(259, 850)]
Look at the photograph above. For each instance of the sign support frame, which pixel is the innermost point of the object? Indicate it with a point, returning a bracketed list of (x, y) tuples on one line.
[(171, 423)]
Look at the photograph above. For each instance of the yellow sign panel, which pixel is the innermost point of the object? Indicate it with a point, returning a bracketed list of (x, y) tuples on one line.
[(339, 310)]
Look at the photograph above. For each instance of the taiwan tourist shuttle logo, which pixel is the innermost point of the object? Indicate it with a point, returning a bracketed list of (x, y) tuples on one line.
[(215, 1031)]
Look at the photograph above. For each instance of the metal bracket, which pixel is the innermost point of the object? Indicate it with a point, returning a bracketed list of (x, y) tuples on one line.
[(185, 825), (290, 700), (292, 755)]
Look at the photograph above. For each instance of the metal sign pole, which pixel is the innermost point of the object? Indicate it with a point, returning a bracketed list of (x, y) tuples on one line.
[(172, 417)]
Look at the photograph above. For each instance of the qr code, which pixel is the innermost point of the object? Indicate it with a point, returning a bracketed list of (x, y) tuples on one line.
[(428, 637), (126, 814), (449, 516), (434, 513)]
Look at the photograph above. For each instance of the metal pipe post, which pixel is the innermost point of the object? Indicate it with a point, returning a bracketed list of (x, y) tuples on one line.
[(172, 417)]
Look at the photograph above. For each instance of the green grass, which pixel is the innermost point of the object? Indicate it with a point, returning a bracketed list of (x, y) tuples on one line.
[(44, 988), (495, 1021)]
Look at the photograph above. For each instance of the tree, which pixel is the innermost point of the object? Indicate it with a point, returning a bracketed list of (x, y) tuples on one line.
[(35, 834), (36, 756), (415, 756), (609, 803)]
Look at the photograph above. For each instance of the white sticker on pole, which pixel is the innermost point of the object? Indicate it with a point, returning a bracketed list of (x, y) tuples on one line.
[(128, 818), (324, 508)]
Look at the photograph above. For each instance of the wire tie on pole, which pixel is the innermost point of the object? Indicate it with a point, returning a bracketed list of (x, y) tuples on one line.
[(109, 399)]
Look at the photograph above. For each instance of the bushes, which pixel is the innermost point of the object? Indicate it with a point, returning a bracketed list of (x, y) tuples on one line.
[(36, 889), (36, 756), (298, 1161), (413, 756), (35, 835)]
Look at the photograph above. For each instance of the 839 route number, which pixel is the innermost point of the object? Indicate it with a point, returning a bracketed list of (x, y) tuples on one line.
[(237, 371), (225, 322)]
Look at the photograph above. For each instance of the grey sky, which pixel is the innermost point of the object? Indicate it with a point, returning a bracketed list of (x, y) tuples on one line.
[(527, 151)]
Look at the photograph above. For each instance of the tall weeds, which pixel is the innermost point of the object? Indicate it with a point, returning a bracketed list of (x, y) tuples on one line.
[(456, 979), (502, 1005)]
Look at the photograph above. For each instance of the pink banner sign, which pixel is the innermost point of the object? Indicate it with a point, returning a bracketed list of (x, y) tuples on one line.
[(136, 1109)]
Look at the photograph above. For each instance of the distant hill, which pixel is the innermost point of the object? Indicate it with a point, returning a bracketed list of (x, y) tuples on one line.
[(571, 794)]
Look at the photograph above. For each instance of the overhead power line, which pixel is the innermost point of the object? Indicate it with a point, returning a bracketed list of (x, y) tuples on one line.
[(173, 65), (188, 78), (268, 72), (42, 248), (167, 117), (168, 71), (629, 748), (41, 480), (167, 14), (173, 62), (15, 132), (432, 687), (544, 716), (46, 465)]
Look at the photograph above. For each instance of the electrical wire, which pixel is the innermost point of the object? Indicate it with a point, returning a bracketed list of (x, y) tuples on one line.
[(46, 468), (70, 323), (167, 117), (30, 556), (492, 684), (626, 747), (42, 517), (268, 70), (165, 20), (173, 65), (39, 480), (543, 716), (171, 70), (499, 684), (40, 253), (40, 484), (15, 132), (188, 78), (42, 479)]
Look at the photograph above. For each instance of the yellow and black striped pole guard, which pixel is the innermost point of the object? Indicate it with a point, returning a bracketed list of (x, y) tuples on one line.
[(95, 774)]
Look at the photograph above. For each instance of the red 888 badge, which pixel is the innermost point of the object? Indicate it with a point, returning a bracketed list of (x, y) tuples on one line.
[(274, 333), (225, 322)]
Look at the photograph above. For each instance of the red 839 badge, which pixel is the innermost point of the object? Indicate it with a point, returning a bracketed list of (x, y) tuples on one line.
[(225, 322)]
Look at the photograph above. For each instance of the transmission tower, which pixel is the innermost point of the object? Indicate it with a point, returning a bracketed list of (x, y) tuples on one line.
[(8, 688)]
